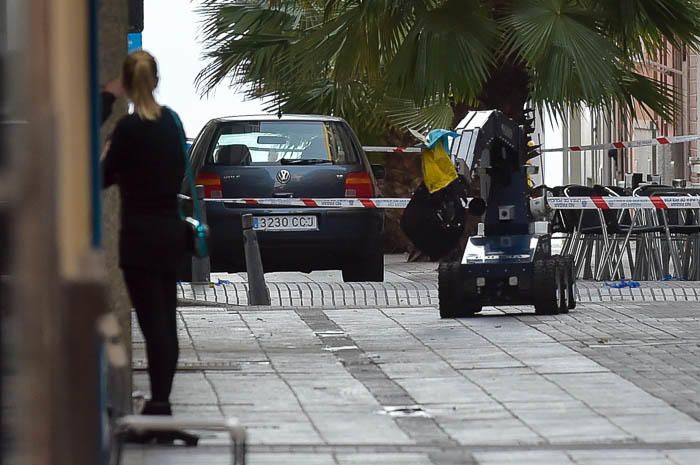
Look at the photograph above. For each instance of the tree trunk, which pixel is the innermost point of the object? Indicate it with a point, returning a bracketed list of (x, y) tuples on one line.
[(403, 176), (506, 90)]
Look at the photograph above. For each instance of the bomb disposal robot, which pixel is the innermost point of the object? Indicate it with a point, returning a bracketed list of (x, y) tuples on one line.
[(509, 261)]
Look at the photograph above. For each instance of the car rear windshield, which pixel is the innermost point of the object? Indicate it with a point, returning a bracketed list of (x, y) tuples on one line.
[(282, 142)]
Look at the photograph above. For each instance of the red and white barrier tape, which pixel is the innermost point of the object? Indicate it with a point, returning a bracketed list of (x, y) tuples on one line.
[(574, 148), (323, 203), (629, 144), (373, 148), (622, 203), (556, 203)]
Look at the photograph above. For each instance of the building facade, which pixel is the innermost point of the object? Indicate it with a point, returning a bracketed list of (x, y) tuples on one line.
[(677, 68)]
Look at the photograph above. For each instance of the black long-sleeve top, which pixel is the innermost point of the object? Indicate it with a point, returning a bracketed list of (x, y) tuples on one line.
[(146, 160)]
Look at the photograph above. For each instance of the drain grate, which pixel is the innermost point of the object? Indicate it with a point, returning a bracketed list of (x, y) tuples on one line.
[(339, 348), (330, 333), (404, 411), (203, 365)]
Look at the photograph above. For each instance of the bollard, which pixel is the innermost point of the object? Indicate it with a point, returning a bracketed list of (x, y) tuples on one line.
[(201, 267), (257, 290)]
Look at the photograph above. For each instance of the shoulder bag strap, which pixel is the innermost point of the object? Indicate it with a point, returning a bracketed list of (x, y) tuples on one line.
[(188, 166)]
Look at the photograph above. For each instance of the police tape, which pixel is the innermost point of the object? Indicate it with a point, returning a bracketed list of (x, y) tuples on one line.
[(380, 149), (383, 203), (623, 203), (631, 144), (628, 144), (556, 203)]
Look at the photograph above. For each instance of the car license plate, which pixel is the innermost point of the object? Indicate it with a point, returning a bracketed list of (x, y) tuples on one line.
[(285, 223)]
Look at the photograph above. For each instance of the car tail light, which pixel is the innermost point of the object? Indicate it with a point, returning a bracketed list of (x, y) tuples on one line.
[(359, 185), (211, 183)]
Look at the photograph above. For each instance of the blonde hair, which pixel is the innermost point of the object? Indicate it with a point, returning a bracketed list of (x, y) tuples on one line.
[(140, 78)]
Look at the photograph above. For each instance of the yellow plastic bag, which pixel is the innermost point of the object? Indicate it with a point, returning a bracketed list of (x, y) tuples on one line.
[(438, 169)]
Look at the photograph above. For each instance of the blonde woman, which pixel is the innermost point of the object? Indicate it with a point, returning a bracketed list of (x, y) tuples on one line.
[(145, 159)]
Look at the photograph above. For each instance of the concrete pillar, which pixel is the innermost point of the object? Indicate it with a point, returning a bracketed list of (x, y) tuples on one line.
[(29, 385), (57, 279), (113, 28), (576, 160)]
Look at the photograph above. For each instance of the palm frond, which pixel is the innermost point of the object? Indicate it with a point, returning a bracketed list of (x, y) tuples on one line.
[(250, 41), (561, 44), (447, 52), (405, 114), (646, 25), (573, 62), (401, 63)]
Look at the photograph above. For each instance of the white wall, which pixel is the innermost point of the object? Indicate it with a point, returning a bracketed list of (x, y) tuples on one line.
[(553, 137)]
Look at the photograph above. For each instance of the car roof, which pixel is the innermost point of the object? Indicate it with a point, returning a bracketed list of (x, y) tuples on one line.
[(268, 117)]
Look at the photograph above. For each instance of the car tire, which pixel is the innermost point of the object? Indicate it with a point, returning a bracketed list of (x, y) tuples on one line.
[(369, 269)]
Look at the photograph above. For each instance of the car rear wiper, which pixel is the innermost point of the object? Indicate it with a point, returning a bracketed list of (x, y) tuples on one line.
[(304, 161)]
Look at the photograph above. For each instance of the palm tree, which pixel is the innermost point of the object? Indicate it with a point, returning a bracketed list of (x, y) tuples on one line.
[(386, 64), (354, 57)]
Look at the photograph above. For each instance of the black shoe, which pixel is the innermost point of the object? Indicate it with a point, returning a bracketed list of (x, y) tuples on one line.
[(156, 408), (157, 436), (160, 437), (170, 437)]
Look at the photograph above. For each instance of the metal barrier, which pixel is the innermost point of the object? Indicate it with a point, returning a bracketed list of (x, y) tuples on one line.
[(645, 237), (236, 431)]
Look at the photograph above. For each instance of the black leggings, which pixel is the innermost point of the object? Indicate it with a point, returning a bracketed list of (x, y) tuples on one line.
[(154, 297)]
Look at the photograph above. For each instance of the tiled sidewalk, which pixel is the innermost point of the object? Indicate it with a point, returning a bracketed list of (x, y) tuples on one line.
[(322, 386)]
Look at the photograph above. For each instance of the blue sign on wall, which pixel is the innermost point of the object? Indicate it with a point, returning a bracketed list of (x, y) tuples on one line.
[(135, 42)]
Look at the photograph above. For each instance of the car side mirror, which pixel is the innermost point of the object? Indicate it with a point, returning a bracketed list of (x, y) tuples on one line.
[(379, 171)]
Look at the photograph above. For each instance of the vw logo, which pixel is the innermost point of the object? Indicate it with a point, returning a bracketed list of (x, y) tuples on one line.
[(283, 177)]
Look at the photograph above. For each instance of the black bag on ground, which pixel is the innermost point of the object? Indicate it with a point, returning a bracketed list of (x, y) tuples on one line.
[(436, 222)]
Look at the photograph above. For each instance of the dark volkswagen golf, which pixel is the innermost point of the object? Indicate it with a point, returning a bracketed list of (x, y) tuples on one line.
[(290, 157)]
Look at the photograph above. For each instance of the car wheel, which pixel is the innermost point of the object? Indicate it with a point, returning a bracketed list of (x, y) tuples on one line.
[(370, 269)]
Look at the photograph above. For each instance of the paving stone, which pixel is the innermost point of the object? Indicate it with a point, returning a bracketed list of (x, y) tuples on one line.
[(358, 428), (498, 431), (621, 457), (290, 459), (612, 382), (524, 458), (684, 456)]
